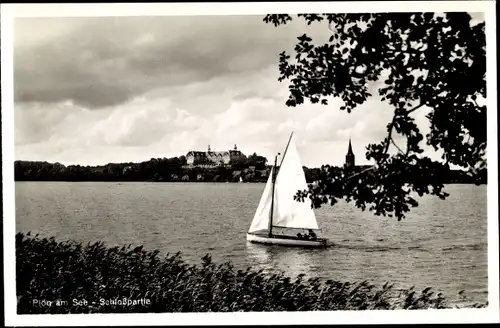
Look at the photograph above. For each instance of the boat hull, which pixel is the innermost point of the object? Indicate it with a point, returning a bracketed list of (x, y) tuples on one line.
[(285, 240)]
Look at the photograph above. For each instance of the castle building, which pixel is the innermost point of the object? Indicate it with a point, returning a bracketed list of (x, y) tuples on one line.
[(349, 158), (214, 158)]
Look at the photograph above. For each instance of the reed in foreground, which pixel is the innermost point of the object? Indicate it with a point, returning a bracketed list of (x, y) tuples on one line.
[(68, 277)]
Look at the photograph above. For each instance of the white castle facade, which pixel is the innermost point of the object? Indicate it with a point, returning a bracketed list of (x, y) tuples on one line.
[(210, 157)]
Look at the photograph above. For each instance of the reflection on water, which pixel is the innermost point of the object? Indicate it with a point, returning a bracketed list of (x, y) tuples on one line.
[(259, 253), (269, 257), (292, 260)]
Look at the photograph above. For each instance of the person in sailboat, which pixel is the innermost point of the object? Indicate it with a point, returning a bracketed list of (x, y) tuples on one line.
[(312, 234)]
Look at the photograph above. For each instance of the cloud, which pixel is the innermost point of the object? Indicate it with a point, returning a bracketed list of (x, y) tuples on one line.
[(101, 62), (154, 126), (144, 39), (167, 85)]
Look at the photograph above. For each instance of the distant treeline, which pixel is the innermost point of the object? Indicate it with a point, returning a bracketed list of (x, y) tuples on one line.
[(254, 169), (172, 170)]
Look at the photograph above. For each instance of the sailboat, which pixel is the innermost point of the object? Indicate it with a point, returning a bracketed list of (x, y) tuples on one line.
[(279, 218)]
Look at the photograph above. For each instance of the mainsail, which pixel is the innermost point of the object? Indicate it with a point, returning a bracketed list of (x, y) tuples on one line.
[(262, 215), (289, 212)]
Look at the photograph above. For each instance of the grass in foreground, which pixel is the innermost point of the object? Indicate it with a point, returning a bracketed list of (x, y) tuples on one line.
[(93, 278)]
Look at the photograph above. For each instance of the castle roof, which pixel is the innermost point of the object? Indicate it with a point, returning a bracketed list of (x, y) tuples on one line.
[(196, 153), (213, 153), (217, 153)]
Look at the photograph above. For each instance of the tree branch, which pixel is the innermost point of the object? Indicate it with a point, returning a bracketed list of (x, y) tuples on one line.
[(389, 135), (391, 126), (361, 172), (415, 108), (394, 143)]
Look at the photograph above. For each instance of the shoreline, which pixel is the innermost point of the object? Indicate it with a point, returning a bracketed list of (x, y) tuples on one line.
[(175, 170)]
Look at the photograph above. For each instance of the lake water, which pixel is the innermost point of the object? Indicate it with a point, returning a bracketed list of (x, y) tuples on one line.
[(441, 244)]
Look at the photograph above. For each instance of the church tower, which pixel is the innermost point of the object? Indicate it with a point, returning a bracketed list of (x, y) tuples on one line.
[(349, 158)]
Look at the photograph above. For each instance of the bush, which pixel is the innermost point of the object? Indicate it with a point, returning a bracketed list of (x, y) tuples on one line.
[(68, 271)]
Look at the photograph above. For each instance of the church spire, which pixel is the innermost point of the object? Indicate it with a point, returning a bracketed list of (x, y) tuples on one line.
[(349, 158), (349, 150)]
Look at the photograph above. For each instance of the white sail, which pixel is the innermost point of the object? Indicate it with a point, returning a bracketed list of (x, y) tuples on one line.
[(290, 213), (262, 215)]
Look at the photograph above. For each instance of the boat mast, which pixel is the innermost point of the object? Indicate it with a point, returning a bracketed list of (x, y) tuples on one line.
[(272, 198), (288, 144), (274, 183)]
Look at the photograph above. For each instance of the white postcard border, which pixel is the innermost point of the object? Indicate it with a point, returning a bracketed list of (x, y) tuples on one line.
[(9, 11)]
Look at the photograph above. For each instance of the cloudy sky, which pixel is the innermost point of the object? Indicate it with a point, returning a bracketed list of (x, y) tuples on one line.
[(118, 89)]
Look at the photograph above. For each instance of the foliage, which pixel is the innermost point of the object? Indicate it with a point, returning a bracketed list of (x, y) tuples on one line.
[(53, 270), (422, 60), (156, 169), (256, 160), (168, 170)]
